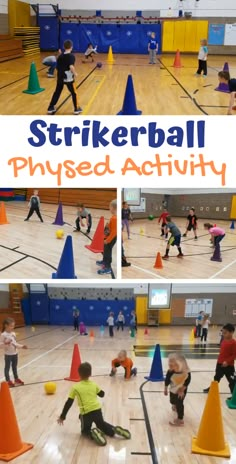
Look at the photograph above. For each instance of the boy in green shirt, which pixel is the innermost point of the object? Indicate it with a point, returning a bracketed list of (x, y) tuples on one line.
[(86, 393)]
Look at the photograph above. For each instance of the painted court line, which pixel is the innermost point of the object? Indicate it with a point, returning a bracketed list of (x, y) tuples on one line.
[(148, 272), (42, 355), (87, 107), (222, 270)]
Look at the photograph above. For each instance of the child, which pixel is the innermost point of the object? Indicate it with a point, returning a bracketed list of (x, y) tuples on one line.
[(205, 326), (120, 321), (83, 213), (133, 320), (110, 322), (227, 355), (90, 52), (109, 241), (202, 58), (66, 74), (217, 234), (199, 324), (34, 205), (152, 48), (51, 63), (191, 223), (126, 217), (86, 392), (175, 238), (178, 377), (126, 363), (162, 219), (8, 339), (224, 78), (76, 319)]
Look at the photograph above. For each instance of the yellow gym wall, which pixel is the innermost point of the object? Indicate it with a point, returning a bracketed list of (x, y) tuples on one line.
[(164, 315), (233, 208), (18, 14), (183, 35)]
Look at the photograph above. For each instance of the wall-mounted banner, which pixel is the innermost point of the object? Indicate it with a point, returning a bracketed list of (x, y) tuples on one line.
[(99, 151)]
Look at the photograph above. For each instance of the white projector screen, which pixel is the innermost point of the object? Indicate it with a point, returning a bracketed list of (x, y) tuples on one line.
[(132, 196), (159, 296)]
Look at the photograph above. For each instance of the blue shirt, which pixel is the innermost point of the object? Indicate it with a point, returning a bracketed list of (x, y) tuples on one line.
[(152, 44)]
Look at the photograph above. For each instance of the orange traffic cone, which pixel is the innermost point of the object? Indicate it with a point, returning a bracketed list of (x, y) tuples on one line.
[(177, 61), (210, 438), (146, 331), (91, 333), (11, 444), (3, 214), (75, 363), (97, 245), (158, 263)]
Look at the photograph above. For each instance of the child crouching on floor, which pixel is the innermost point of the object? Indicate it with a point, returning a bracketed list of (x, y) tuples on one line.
[(125, 362)]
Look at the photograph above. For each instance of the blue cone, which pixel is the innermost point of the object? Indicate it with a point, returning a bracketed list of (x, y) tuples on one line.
[(129, 104), (232, 225), (66, 268), (59, 216), (156, 373)]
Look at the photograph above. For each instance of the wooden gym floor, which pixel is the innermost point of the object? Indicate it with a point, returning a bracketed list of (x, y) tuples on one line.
[(145, 242), (30, 250), (49, 357), (159, 89)]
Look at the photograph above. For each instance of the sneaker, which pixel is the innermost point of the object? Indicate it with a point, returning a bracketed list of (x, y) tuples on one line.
[(50, 75), (19, 382), (184, 235), (125, 264), (10, 384), (180, 255), (88, 231), (204, 75), (165, 257), (112, 373), (195, 238), (106, 270), (177, 422), (122, 432), (100, 263), (206, 390), (134, 371), (51, 110), (76, 230), (26, 219), (98, 437), (78, 110)]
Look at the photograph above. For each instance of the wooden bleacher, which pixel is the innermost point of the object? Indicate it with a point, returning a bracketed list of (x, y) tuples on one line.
[(10, 48), (30, 38), (92, 198), (15, 307)]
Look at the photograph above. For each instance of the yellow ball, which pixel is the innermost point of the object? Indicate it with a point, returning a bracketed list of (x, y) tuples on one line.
[(60, 233), (50, 388)]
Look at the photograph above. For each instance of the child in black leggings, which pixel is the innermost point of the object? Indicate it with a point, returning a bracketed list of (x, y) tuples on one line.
[(178, 378)]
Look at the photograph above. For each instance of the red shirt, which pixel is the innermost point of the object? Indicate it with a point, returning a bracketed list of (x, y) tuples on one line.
[(163, 217), (227, 352)]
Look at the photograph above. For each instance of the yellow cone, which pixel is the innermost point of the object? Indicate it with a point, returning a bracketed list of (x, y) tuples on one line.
[(210, 438), (110, 58), (192, 337), (141, 231)]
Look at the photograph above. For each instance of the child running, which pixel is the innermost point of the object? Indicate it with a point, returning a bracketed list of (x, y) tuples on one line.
[(178, 378), (90, 52), (120, 321), (83, 213), (175, 238), (162, 219), (205, 326), (111, 323), (126, 363), (109, 241), (66, 74), (86, 392), (8, 340), (126, 217), (217, 234), (191, 223), (34, 206), (224, 78), (202, 58), (226, 358)]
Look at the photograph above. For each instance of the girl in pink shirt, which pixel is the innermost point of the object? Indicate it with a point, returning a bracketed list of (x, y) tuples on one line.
[(217, 234)]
